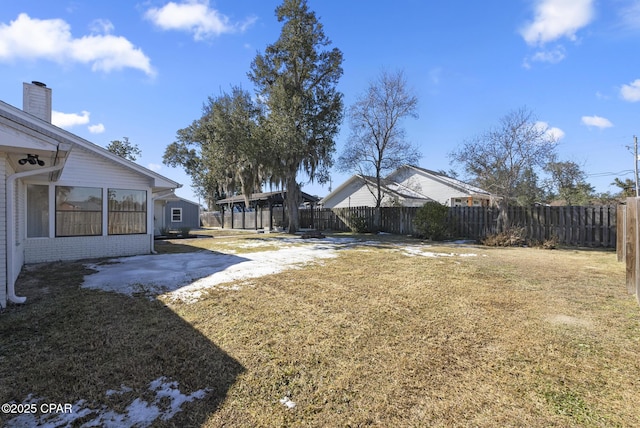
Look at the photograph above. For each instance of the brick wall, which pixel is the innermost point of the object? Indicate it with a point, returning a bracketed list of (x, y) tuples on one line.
[(38, 250)]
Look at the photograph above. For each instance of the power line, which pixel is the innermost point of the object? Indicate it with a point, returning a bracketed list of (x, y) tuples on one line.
[(608, 174)]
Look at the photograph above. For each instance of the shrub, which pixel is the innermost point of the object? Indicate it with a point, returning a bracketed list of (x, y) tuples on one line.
[(546, 244), (512, 237), (184, 231), (432, 221), (358, 224)]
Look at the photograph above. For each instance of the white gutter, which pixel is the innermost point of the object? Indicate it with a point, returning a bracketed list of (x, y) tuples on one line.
[(164, 193), (11, 230)]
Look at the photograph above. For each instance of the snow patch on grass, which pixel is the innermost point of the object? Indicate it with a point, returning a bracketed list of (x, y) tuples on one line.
[(139, 413), (187, 277), (412, 251)]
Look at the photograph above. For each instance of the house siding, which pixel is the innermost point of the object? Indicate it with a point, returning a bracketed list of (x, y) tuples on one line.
[(190, 214), (84, 165), (407, 186), (425, 185), (39, 250), (87, 169), (3, 230), (360, 197), (84, 168)]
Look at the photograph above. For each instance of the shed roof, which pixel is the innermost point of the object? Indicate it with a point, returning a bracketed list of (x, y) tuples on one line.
[(170, 196)]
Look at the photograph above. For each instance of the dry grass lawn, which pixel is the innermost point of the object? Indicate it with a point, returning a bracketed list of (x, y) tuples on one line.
[(374, 337)]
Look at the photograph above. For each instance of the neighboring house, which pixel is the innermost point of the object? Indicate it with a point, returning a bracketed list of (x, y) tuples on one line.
[(173, 212), (359, 190), (63, 197), (408, 186)]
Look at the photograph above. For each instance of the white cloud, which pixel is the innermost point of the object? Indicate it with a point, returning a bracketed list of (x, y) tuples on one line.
[(102, 26), (630, 15), (154, 167), (69, 120), (51, 39), (553, 56), (96, 129), (631, 92), (555, 19), (556, 134), (596, 121), (196, 17)]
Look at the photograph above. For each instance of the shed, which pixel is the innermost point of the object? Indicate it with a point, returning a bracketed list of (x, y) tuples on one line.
[(173, 212)]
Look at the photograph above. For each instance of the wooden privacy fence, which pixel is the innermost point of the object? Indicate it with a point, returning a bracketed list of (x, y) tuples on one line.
[(397, 220), (589, 226)]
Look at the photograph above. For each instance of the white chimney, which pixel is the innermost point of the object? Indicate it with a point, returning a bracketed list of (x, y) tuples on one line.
[(36, 100)]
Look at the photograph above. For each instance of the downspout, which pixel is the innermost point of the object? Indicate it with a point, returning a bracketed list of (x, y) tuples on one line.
[(11, 231)]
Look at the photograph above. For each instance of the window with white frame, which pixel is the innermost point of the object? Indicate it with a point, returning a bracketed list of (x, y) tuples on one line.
[(127, 212), (37, 211), (78, 211), (176, 215)]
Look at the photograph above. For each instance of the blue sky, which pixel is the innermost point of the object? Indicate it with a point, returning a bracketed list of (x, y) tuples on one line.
[(143, 70)]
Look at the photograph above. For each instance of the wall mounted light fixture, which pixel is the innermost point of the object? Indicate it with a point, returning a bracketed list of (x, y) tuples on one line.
[(32, 160)]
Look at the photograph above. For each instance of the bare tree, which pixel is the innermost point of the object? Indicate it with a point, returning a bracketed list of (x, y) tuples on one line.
[(377, 143), (506, 160)]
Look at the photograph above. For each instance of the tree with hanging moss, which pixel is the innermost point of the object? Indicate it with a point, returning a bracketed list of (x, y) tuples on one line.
[(296, 82), (222, 151)]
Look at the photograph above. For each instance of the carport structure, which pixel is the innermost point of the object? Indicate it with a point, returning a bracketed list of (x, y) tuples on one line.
[(258, 202)]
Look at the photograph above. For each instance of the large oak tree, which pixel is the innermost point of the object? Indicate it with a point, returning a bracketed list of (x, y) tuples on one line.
[(296, 82), (223, 150)]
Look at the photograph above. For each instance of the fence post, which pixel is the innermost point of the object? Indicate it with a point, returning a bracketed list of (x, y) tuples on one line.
[(636, 285), (631, 242), (621, 231)]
